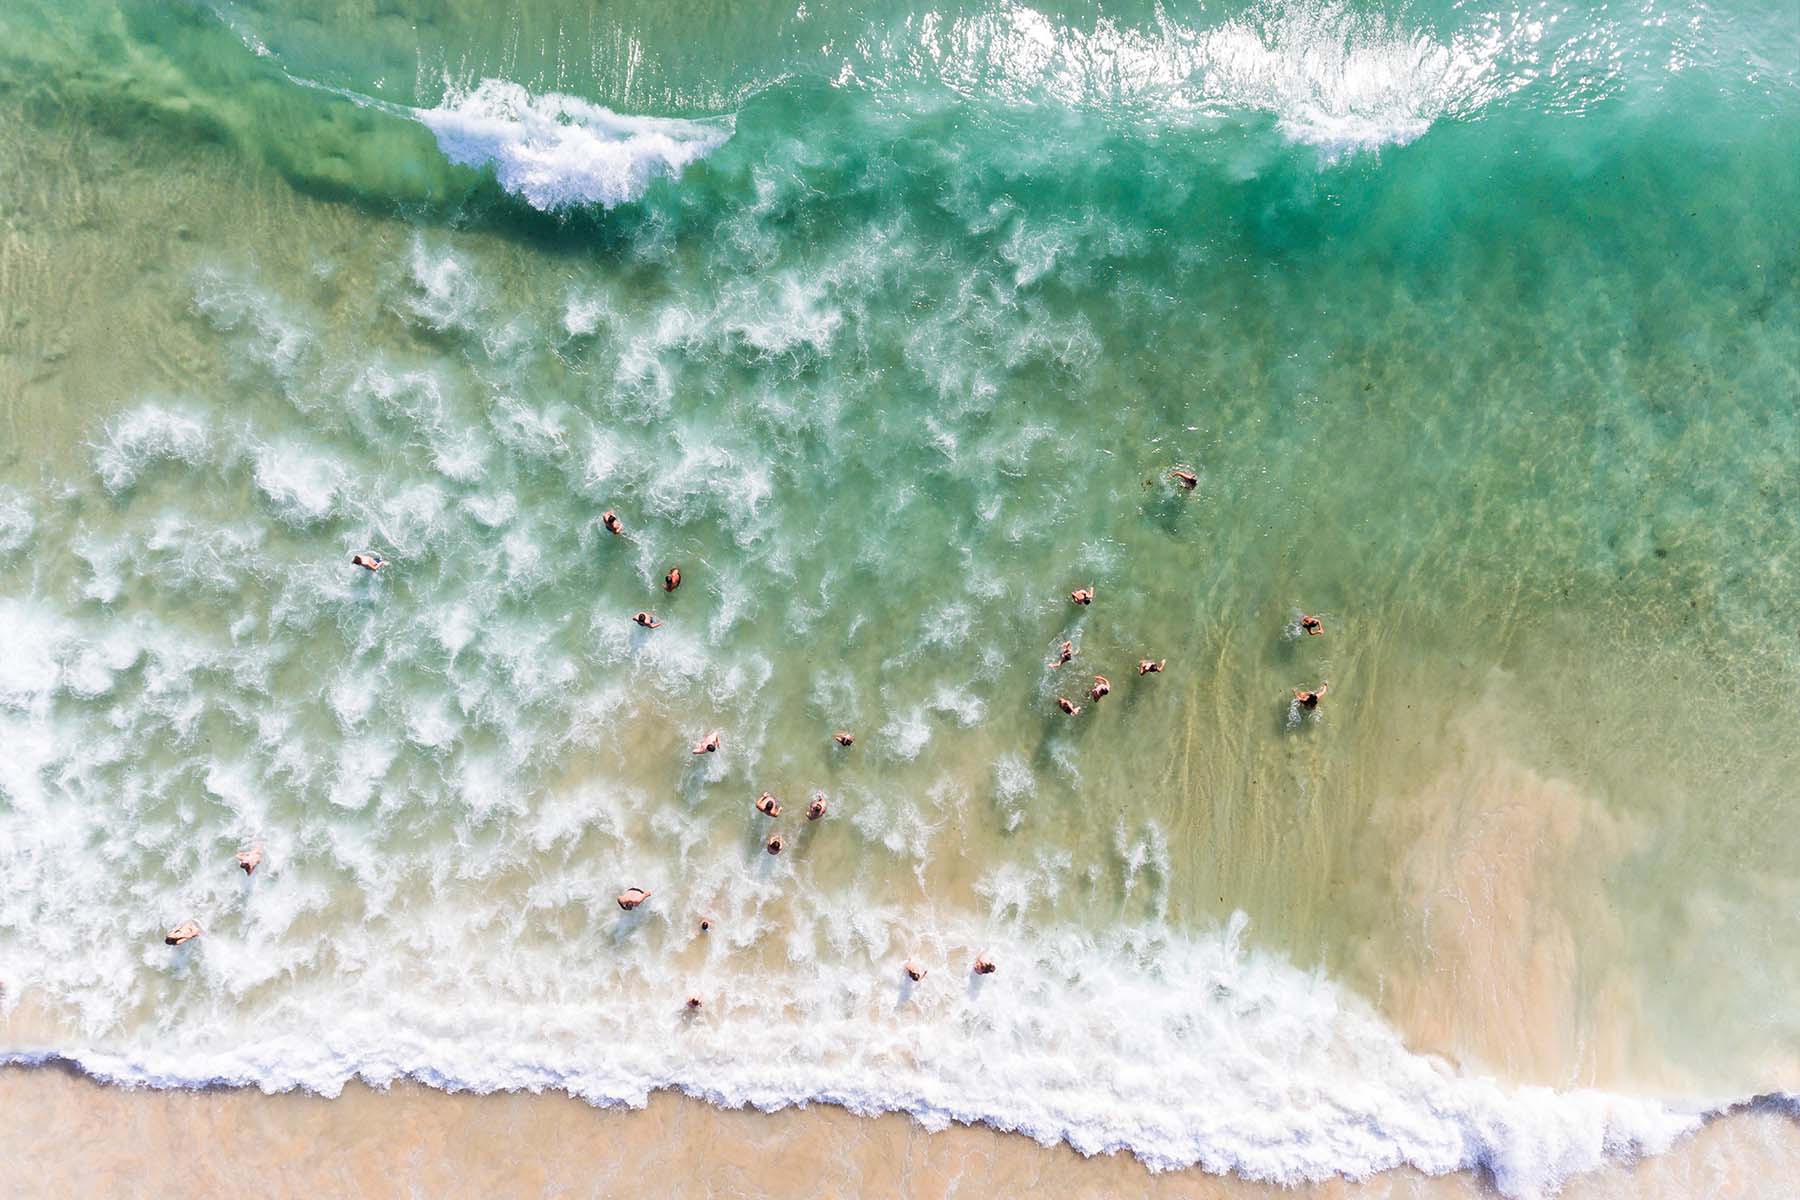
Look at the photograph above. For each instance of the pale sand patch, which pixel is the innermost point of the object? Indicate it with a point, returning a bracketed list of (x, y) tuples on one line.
[(1506, 955), (83, 1138)]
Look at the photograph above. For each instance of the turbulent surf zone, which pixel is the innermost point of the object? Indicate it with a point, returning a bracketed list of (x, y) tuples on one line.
[(1471, 335)]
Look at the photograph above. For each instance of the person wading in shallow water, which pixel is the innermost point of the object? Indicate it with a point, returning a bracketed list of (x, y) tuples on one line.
[(1151, 666), (816, 809), (1313, 626), (630, 898), (1063, 654), (183, 933), (1068, 706), (775, 845), (672, 580), (610, 520), (710, 743), (768, 805), (250, 859)]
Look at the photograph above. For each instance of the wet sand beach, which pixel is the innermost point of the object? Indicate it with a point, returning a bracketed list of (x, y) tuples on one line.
[(409, 1140)]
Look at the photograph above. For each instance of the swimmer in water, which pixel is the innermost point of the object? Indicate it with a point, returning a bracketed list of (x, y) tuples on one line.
[(1313, 626), (768, 805), (187, 931), (984, 965), (250, 859), (1102, 686), (610, 520), (646, 620), (672, 580), (710, 743), (1068, 706), (775, 845), (914, 971), (1310, 700), (1083, 596), (844, 739), (706, 924), (1063, 654), (816, 809), (630, 898), (369, 561), (1151, 666), (1185, 478), (693, 1002)]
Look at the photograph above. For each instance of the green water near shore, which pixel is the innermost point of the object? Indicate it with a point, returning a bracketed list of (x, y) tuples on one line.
[(1511, 402)]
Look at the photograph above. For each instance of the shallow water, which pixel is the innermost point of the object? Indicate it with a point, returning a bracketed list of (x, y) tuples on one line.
[(1478, 328)]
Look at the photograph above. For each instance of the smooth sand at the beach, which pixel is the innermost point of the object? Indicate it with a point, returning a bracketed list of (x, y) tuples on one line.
[(70, 1136)]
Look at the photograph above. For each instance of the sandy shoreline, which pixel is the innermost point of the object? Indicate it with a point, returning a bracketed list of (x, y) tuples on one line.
[(412, 1140)]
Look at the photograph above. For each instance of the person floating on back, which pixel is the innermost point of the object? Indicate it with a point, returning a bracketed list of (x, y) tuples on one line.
[(710, 743), (1310, 699), (368, 561), (630, 898), (1313, 626), (1083, 596), (672, 580), (1185, 478), (1068, 706), (768, 805), (1151, 666), (646, 620), (610, 520), (1063, 654)]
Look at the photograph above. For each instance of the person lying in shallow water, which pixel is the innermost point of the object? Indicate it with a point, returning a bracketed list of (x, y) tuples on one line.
[(1310, 699)]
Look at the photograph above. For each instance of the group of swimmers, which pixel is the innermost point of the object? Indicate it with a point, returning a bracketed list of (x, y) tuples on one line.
[(766, 803)]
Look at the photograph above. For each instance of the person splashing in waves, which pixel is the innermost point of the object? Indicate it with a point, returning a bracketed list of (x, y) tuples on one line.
[(646, 620), (710, 743), (1083, 596), (610, 520), (984, 965), (1102, 687), (630, 898), (250, 859), (1185, 478), (1151, 666), (1068, 706), (914, 971), (1309, 700), (183, 933), (844, 739), (816, 809), (775, 845), (693, 1002), (768, 805), (706, 924), (1312, 625), (1063, 654), (672, 580), (369, 561)]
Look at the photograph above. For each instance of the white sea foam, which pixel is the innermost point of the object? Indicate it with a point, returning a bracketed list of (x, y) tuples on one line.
[(143, 436), (559, 152), (17, 521)]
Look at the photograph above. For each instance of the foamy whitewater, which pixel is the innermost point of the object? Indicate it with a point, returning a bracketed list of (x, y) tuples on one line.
[(1477, 330)]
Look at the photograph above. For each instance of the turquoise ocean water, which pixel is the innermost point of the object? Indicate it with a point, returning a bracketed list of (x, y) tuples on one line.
[(887, 324)]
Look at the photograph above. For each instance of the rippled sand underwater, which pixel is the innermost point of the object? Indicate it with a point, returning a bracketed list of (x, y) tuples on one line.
[(887, 372)]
